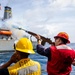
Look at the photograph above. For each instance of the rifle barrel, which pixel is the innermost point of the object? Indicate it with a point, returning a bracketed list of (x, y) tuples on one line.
[(44, 39)]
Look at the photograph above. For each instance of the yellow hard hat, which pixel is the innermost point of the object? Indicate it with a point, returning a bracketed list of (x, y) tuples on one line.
[(25, 45)]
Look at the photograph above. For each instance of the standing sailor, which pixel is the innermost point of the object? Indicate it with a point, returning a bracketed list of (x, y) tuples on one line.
[(23, 65), (60, 56)]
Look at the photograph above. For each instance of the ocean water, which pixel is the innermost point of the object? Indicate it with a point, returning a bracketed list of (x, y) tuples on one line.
[(4, 57)]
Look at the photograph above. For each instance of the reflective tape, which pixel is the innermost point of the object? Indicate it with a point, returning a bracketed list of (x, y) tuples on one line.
[(28, 70)]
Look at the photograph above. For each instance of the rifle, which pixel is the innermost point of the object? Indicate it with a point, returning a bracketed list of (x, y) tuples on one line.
[(44, 39)]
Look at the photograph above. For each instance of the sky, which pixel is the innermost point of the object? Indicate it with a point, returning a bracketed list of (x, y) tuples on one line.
[(44, 17)]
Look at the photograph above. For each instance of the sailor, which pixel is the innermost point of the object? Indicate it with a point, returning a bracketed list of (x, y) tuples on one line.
[(60, 56), (22, 64)]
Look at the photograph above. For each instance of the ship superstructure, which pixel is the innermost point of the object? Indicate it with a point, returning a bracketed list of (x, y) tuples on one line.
[(6, 37)]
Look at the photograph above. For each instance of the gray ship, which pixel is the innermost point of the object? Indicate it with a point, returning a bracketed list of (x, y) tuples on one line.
[(6, 37)]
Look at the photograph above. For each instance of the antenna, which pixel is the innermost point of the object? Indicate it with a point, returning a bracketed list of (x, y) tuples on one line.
[(8, 3)]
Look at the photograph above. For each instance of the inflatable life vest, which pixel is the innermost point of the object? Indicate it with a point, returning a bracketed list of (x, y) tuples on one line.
[(62, 57), (25, 67)]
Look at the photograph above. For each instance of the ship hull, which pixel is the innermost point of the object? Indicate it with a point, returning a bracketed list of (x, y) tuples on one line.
[(6, 45)]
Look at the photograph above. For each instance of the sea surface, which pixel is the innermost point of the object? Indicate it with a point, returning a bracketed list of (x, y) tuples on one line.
[(5, 56)]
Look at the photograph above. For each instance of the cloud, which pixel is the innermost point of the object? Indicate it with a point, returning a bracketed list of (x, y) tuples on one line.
[(62, 3), (45, 17)]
